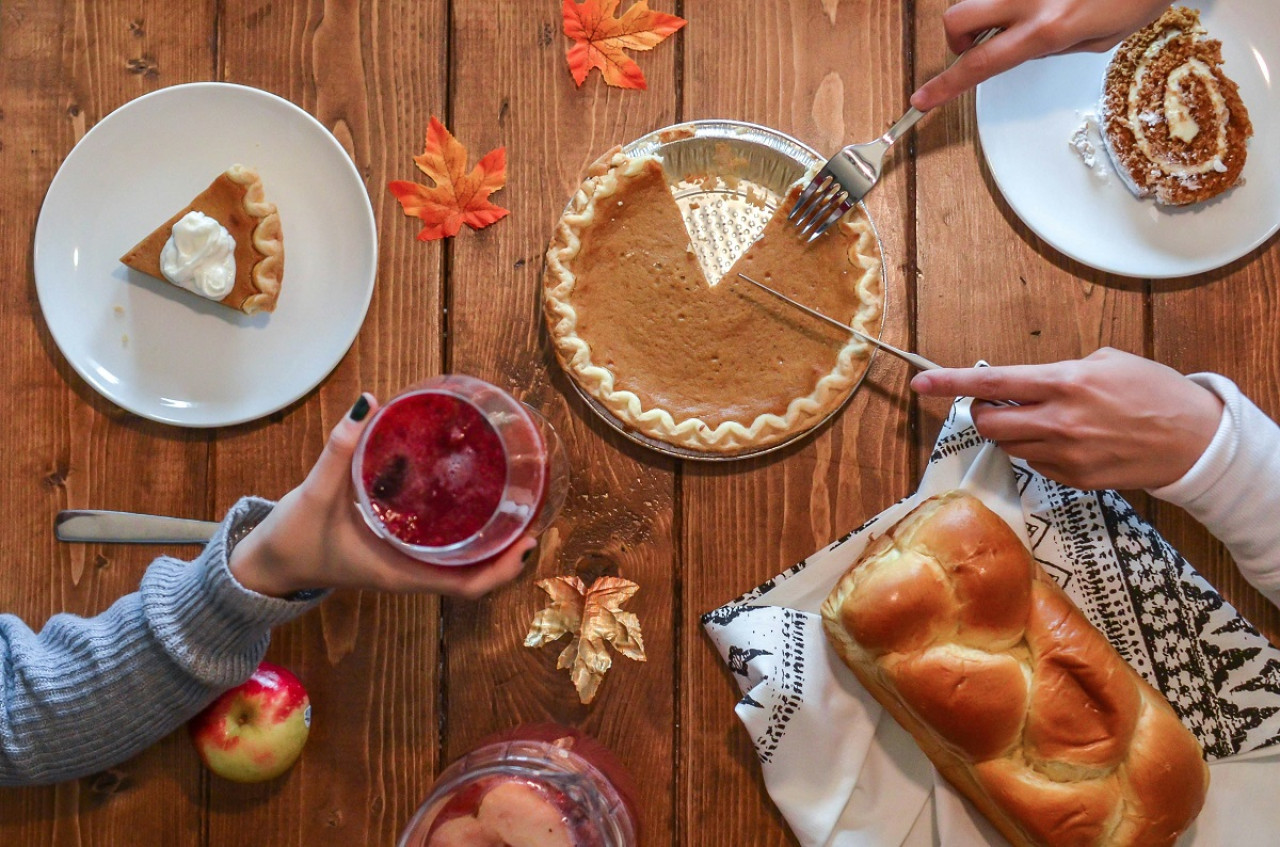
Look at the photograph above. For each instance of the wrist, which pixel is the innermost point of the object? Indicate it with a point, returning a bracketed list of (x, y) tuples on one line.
[(1203, 415), (254, 565)]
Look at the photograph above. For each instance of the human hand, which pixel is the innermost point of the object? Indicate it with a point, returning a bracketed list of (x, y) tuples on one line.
[(315, 538), (1111, 420), (1032, 28)]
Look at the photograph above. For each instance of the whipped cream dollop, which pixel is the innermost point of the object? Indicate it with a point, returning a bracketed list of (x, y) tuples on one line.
[(200, 256)]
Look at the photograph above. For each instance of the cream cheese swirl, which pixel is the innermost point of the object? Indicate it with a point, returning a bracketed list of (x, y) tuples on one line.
[(1177, 114)]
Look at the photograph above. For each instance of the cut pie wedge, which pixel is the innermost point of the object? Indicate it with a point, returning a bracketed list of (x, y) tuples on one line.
[(237, 202), (715, 368)]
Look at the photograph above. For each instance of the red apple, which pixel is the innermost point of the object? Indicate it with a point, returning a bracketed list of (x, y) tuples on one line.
[(255, 731)]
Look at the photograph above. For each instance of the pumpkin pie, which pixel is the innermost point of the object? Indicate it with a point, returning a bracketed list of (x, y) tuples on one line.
[(714, 366), (237, 202), (1172, 120)]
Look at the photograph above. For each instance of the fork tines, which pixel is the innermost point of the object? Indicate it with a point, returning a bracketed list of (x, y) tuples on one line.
[(820, 205)]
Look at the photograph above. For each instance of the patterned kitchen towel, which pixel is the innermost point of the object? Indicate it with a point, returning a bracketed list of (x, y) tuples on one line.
[(1219, 673)]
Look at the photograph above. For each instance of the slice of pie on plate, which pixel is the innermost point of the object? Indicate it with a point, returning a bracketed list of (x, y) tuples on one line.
[(228, 245), (721, 368)]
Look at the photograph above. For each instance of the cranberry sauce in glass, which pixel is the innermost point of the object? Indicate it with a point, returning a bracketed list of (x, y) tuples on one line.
[(455, 471), (539, 785)]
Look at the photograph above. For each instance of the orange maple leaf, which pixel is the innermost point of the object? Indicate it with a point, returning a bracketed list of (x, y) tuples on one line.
[(599, 38), (454, 197)]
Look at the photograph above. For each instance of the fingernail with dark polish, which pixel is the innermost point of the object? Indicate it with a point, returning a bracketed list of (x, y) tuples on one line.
[(360, 409)]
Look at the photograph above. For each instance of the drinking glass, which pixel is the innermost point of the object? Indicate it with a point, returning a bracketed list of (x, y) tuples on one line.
[(542, 780), (455, 470)]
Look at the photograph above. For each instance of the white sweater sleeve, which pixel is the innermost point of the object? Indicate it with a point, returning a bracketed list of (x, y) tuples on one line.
[(1234, 488)]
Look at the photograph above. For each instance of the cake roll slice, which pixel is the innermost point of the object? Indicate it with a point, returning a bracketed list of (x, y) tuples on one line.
[(1172, 120)]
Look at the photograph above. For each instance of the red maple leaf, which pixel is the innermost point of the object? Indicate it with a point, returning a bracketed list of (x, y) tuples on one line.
[(454, 197), (599, 38)]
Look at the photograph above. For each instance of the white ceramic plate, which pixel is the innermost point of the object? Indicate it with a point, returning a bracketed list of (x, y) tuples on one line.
[(1025, 121), (165, 354)]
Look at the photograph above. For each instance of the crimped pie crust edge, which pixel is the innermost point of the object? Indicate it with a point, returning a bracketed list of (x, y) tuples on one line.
[(268, 239), (728, 437)]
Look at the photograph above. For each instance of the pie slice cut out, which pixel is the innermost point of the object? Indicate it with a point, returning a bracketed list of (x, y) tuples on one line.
[(718, 368), (237, 201)]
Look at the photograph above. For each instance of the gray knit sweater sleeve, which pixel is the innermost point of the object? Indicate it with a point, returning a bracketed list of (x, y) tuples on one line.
[(86, 693)]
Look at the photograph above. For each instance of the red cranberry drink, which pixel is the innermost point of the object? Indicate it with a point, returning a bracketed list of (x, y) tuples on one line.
[(434, 469), (538, 786), (456, 470)]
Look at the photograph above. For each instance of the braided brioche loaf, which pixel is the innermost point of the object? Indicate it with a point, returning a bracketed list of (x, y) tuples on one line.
[(1017, 699)]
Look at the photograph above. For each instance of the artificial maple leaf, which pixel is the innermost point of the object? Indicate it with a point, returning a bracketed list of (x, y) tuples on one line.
[(593, 616), (599, 38), (454, 197)]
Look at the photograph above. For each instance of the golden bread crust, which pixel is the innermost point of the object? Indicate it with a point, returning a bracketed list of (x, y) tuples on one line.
[(1023, 706)]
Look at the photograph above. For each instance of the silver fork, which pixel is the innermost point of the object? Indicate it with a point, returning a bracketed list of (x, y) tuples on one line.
[(851, 173)]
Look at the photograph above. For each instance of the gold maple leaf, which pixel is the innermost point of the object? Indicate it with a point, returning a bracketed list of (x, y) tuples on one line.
[(593, 616)]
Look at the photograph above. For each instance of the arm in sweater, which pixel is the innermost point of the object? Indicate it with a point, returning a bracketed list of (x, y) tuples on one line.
[(1234, 487), (86, 693)]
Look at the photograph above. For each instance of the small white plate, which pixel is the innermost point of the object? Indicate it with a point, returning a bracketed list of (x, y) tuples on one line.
[(163, 353), (1025, 121)]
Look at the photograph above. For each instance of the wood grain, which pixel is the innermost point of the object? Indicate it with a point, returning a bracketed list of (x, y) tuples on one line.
[(988, 288), (792, 67), (403, 685), (510, 86), (369, 661), (63, 66)]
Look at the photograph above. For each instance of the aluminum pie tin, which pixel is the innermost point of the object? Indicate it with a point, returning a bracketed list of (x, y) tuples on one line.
[(754, 167)]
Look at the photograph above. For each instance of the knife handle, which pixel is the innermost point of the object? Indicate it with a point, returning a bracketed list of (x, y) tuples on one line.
[(106, 527)]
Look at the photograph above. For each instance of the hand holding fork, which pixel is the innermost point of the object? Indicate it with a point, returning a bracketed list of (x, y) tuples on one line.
[(851, 173)]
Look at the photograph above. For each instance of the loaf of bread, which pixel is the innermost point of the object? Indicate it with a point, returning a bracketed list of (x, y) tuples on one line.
[(1019, 701)]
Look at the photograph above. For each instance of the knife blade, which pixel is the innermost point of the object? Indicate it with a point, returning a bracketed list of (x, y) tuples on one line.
[(912, 359), (97, 525)]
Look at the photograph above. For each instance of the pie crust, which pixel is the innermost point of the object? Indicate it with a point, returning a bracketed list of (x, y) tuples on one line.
[(237, 201), (719, 369)]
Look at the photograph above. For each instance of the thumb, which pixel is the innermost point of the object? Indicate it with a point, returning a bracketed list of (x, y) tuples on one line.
[(334, 465)]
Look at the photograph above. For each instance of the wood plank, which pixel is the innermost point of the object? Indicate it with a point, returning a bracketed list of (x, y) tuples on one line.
[(368, 660), (801, 68), (1223, 322), (63, 66), (510, 86)]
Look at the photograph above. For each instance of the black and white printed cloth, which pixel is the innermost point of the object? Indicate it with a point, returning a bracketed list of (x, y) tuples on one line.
[(844, 773)]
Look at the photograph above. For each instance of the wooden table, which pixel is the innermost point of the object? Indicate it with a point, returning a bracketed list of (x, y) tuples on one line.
[(402, 685)]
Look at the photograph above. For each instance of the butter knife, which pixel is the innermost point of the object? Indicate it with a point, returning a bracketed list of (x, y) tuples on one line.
[(96, 525), (913, 359)]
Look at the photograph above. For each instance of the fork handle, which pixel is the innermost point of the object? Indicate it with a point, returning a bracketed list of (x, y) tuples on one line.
[(913, 115), (904, 123)]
